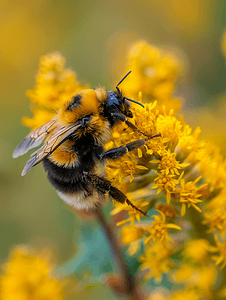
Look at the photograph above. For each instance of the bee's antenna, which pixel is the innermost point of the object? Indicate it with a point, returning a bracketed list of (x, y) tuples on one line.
[(124, 77), (134, 101)]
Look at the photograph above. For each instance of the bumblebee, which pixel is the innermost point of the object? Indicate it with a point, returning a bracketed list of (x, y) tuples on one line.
[(73, 148)]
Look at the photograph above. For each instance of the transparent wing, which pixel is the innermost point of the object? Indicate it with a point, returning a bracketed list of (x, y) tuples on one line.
[(60, 135), (34, 138)]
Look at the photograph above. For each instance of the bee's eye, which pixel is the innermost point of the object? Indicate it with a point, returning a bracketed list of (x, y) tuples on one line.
[(85, 121)]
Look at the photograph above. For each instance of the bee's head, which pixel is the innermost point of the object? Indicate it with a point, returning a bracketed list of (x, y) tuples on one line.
[(117, 102)]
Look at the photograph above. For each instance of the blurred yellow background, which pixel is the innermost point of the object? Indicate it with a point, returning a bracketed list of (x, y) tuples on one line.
[(94, 36)]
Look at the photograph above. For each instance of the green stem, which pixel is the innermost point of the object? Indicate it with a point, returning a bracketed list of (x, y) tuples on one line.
[(128, 281)]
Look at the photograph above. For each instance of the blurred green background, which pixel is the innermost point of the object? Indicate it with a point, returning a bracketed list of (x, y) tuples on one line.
[(94, 36)]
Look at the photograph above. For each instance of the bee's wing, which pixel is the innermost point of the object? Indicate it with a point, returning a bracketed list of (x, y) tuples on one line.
[(60, 134), (34, 138)]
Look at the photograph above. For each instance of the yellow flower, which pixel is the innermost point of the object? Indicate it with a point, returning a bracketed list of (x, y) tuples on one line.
[(165, 182), (156, 259), (221, 249), (218, 201), (200, 278), (29, 276), (132, 235), (54, 86), (169, 164), (183, 274), (197, 250), (222, 293), (216, 220), (170, 128), (118, 170), (159, 229), (144, 118), (189, 144), (190, 194), (155, 146), (206, 278), (213, 169), (154, 73), (187, 294)]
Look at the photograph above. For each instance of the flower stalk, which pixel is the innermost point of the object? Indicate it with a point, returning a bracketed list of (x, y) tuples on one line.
[(128, 281)]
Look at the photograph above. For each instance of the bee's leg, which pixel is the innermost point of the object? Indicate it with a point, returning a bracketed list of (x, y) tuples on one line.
[(120, 197), (123, 118), (104, 186), (116, 153)]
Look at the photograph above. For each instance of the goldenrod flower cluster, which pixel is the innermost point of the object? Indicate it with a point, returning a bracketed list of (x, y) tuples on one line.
[(181, 175), (154, 73), (179, 179), (28, 276), (54, 86)]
